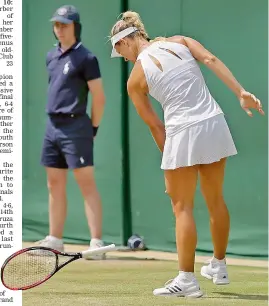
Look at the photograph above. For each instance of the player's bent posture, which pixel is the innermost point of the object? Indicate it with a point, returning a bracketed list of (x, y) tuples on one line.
[(73, 71), (194, 139)]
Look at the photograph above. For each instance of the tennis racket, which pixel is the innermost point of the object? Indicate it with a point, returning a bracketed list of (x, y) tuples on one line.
[(30, 267)]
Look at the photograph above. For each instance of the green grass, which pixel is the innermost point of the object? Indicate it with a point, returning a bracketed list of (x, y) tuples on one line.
[(130, 282)]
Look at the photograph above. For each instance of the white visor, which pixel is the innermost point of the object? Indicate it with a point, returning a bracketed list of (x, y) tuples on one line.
[(117, 37)]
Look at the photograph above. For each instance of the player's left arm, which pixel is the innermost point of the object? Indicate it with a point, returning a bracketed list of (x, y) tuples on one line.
[(92, 75), (140, 99), (201, 54)]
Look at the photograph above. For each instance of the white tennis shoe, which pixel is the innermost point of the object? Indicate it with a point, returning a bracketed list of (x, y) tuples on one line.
[(56, 244), (184, 285), (216, 270)]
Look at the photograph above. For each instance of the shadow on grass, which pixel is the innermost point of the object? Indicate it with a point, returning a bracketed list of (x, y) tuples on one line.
[(231, 295), (127, 258)]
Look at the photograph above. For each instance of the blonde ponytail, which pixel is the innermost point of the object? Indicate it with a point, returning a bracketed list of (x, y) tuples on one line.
[(130, 19)]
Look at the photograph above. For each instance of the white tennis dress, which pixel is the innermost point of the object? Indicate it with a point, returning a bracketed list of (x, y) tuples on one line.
[(196, 130)]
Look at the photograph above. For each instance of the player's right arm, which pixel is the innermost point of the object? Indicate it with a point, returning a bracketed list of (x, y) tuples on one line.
[(138, 93)]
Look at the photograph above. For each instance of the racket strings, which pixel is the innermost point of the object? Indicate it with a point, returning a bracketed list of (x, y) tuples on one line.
[(62, 260), (29, 268)]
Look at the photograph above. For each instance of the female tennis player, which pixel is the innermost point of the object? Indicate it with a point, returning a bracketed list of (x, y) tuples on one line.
[(194, 139)]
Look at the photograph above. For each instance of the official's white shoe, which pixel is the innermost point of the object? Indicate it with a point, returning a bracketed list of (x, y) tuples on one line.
[(216, 270), (94, 244), (51, 242), (184, 285)]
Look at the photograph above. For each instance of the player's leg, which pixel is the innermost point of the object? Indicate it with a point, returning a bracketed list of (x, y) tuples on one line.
[(181, 186), (212, 178)]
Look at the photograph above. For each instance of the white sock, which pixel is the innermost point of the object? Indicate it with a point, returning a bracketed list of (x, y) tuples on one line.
[(96, 241), (55, 239), (188, 275), (222, 261)]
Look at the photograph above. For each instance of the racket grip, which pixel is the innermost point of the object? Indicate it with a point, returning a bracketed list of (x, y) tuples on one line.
[(97, 251)]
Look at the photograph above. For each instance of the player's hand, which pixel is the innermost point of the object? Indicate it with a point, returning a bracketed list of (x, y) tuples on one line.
[(248, 101)]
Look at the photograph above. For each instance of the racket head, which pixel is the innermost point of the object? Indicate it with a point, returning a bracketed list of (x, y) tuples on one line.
[(29, 267)]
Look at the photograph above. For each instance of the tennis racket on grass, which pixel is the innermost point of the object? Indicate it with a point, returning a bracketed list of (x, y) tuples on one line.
[(30, 267)]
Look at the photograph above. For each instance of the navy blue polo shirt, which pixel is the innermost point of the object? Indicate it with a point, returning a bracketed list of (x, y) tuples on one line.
[(69, 73)]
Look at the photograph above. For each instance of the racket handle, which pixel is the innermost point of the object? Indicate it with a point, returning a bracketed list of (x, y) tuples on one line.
[(98, 251)]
